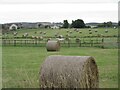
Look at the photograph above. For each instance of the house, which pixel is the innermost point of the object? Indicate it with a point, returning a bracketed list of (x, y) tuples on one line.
[(34, 25), (29, 25), (93, 24), (13, 26), (43, 24), (55, 27)]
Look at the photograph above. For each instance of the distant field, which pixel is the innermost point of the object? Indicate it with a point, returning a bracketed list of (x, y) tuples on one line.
[(109, 42), (52, 32), (21, 65)]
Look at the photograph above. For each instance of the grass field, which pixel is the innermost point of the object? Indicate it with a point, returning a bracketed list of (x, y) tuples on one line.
[(52, 32), (21, 65), (108, 42)]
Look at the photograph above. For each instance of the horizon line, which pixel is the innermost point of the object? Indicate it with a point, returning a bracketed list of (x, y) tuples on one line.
[(54, 22)]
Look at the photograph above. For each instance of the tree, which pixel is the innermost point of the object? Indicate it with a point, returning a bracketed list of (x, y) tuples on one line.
[(109, 24), (79, 23), (4, 28), (119, 23), (65, 24), (106, 24), (47, 26)]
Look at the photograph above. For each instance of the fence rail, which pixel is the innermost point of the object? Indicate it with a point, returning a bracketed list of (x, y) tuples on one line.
[(16, 37), (42, 43)]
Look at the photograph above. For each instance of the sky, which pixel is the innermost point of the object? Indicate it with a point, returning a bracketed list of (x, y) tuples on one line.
[(43, 11)]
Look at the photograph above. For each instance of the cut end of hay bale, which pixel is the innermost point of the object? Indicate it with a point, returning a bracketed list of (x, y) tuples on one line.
[(53, 45), (69, 72)]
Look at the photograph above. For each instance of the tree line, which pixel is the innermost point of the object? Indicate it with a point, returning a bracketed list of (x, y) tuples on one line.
[(106, 24), (79, 23)]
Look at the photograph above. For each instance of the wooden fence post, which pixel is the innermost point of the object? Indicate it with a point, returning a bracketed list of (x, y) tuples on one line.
[(83, 42), (79, 43), (91, 43), (25, 41), (9, 42), (35, 41), (14, 42), (68, 43), (21, 42), (3, 42), (102, 43)]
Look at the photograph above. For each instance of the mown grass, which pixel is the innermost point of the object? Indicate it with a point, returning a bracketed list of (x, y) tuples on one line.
[(52, 32), (108, 42), (21, 65)]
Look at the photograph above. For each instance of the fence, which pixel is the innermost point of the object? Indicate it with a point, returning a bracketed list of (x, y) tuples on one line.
[(15, 37), (65, 43)]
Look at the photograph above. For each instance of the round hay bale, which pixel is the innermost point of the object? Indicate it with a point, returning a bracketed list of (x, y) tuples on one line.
[(53, 45), (15, 33), (90, 32), (69, 72), (68, 39), (56, 35), (75, 36), (48, 39), (67, 35), (77, 40), (98, 35), (40, 32), (102, 35), (77, 30), (60, 36), (96, 30), (80, 31), (22, 35), (25, 34), (44, 33), (37, 37), (60, 39), (41, 38), (106, 31), (114, 27), (89, 29), (32, 36), (67, 31), (70, 32)]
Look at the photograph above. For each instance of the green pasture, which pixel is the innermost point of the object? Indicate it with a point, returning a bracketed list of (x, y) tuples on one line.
[(21, 65), (72, 32), (109, 42)]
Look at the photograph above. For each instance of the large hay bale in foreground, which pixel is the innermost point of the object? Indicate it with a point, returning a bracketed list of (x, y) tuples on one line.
[(53, 45), (69, 72)]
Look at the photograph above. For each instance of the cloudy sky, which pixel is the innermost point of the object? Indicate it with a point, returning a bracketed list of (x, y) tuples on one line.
[(57, 11)]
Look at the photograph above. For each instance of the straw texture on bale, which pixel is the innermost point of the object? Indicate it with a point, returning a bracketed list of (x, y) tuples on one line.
[(69, 72), (53, 45)]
